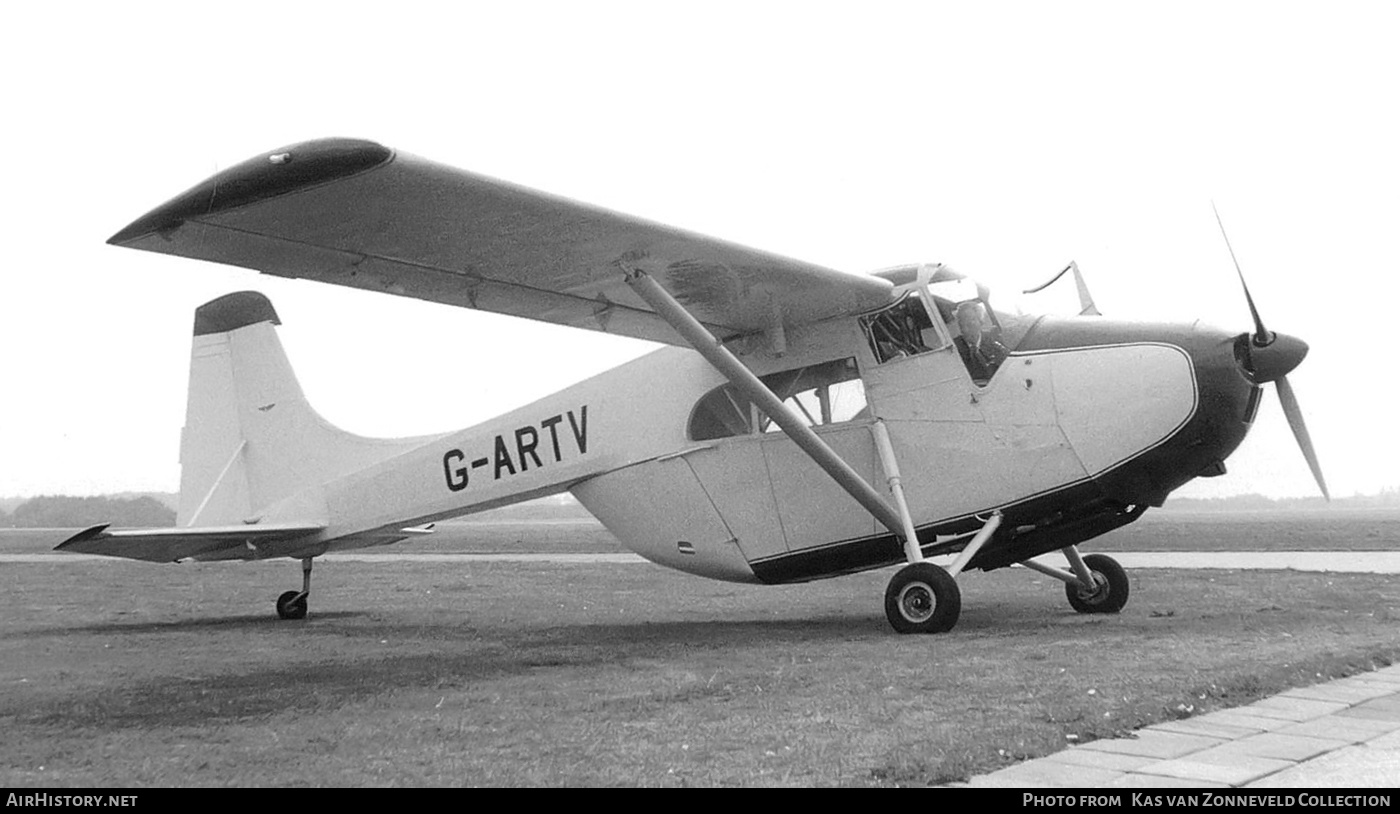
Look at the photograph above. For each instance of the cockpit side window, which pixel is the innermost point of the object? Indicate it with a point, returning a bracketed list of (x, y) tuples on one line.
[(901, 330), (825, 393), (976, 334)]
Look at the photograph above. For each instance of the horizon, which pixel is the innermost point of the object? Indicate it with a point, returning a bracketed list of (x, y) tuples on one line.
[(1388, 494)]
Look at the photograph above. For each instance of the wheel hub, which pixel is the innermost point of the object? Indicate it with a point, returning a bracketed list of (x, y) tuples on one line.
[(916, 602), (1099, 592)]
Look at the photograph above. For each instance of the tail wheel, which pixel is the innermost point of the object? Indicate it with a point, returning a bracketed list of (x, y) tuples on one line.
[(923, 598), (292, 605), (1110, 593)]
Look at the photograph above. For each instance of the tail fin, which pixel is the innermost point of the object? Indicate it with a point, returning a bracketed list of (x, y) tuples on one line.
[(250, 438)]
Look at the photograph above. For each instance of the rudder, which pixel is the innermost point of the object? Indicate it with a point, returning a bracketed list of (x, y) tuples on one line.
[(250, 437)]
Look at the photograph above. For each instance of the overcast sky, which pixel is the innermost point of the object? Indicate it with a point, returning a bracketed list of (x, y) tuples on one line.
[(1002, 138)]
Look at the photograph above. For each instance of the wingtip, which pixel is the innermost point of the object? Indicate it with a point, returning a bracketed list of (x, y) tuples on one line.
[(89, 533), (268, 175)]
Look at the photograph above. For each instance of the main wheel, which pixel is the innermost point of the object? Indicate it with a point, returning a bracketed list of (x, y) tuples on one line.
[(1111, 593), (292, 605), (923, 598)]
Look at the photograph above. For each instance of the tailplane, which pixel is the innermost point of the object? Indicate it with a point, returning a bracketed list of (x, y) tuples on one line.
[(250, 438)]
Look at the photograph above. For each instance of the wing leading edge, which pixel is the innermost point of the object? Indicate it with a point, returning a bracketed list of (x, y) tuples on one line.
[(357, 214)]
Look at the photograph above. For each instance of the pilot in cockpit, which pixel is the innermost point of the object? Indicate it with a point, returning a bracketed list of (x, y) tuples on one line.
[(980, 348)]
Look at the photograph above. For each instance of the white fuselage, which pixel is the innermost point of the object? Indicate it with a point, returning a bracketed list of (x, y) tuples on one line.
[(619, 442)]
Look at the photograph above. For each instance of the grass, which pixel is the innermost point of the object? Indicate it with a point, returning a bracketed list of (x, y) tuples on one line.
[(540, 674)]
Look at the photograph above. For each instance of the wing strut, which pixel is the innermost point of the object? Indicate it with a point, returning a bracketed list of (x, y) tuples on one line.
[(742, 378)]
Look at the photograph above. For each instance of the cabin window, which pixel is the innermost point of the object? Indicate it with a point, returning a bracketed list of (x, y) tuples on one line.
[(902, 330), (826, 393)]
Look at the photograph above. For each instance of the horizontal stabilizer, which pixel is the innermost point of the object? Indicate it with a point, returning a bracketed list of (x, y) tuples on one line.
[(244, 542)]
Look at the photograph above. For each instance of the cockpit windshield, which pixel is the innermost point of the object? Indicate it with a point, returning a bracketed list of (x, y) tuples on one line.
[(982, 335)]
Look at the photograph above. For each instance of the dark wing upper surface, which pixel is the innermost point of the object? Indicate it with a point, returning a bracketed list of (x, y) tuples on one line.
[(355, 213)]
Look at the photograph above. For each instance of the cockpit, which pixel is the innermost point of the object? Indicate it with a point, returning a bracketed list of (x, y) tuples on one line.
[(939, 308)]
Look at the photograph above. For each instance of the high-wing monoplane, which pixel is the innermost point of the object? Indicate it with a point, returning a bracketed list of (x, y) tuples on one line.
[(801, 423)]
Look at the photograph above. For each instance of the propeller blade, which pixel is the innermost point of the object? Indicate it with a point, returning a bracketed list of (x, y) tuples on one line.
[(1300, 430), (1261, 336)]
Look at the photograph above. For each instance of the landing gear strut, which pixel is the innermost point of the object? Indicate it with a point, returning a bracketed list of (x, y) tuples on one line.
[(923, 597), (1110, 591), (292, 604), (1096, 583)]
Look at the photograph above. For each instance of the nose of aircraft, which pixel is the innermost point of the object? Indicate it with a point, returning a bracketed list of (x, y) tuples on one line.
[(1272, 360), (1265, 356)]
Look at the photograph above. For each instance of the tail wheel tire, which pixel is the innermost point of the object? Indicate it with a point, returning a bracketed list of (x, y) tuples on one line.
[(923, 598), (1111, 587), (292, 605)]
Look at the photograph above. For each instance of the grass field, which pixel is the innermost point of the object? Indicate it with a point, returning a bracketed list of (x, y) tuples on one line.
[(115, 673)]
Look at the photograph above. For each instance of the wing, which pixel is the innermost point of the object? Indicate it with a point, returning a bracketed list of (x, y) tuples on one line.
[(355, 213), (207, 543)]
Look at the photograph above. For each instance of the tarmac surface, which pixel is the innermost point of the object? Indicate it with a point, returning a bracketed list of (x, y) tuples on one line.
[(1342, 734)]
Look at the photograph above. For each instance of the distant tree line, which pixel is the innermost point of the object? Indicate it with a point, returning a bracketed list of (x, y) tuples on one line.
[(62, 511), (1388, 497)]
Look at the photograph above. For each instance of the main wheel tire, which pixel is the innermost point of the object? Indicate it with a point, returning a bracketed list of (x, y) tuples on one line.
[(1112, 592), (923, 598), (291, 605)]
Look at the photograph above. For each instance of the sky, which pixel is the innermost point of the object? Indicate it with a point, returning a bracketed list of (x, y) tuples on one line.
[(1002, 138)]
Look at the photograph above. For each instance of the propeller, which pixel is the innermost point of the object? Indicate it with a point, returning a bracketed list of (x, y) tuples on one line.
[(1266, 356)]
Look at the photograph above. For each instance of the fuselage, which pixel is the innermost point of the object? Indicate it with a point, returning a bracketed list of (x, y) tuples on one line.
[(1078, 426)]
